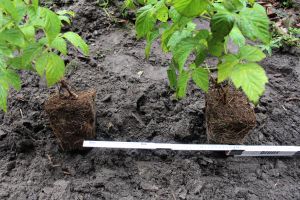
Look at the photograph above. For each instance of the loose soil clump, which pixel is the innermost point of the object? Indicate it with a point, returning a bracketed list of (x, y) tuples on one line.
[(72, 120), (229, 116)]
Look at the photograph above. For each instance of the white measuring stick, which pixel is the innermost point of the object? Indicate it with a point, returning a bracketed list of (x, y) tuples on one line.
[(235, 150)]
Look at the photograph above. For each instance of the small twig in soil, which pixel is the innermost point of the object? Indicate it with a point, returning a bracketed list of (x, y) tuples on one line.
[(51, 162), (292, 99), (67, 173), (21, 112), (284, 108)]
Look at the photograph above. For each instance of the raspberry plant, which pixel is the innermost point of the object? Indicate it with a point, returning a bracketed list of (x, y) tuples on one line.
[(31, 39), (173, 21)]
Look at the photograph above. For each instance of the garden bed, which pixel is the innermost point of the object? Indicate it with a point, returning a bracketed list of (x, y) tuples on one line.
[(134, 103)]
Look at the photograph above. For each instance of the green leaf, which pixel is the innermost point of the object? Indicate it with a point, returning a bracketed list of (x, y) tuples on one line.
[(174, 15), (128, 4), (237, 36), (41, 64), (64, 19), (225, 68), (190, 8), (182, 83), (13, 36), (77, 41), (31, 52), (52, 24), (251, 54), (183, 49), (251, 78), (172, 76), (162, 11), (3, 95), (254, 23), (60, 45), (151, 36), (12, 78), (145, 21), (4, 50), (234, 5), (55, 69), (167, 34), (29, 32), (10, 8), (66, 12), (35, 3), (201, 78), (177, 37), (215, 47), (52, 65), (221, 24)]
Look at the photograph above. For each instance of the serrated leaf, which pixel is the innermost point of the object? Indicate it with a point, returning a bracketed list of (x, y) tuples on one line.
[(55, 69), (221, 24), (251, 78), (174, 15), (77, 41), (215, 47), (4, 50), (234, 5), (31, 52), (52, 65), (60, 44), (177, 37), (151, 36), (162, 11), (16, 63), (13, 36), (3, 95), (29, 32), (66, 12), (183, 79), (190, 8), (41, 64), (183, 49), (225, 68), (63, 18), (10, 8), (52, 24), (128, 4), (172, 76), (11, 78), (167, 34), (145, 21), (201, 53), (35, 3), (251, 53), (254, 23), (237, 36), (201, 78)]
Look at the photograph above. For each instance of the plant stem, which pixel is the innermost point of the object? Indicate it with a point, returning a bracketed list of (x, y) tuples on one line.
[(65, 85)]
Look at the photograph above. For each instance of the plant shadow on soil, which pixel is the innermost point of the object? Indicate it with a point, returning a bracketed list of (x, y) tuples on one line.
[(135, 106)]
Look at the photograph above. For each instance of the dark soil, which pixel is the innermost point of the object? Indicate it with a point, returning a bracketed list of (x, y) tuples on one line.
[(228, 115), (134, 103)]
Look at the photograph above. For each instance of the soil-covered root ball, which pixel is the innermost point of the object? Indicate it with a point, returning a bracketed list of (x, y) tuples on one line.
[(229, 116), (72, 120)]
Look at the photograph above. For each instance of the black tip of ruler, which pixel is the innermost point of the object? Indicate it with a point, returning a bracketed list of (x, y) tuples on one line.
[(235, 152)]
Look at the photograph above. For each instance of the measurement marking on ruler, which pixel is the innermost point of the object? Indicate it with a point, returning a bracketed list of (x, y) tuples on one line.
[(234, 150)]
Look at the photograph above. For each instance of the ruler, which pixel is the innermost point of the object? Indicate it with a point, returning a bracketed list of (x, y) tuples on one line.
[(230, 150)]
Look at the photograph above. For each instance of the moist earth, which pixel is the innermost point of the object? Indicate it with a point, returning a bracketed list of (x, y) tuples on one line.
[(134, 103)]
